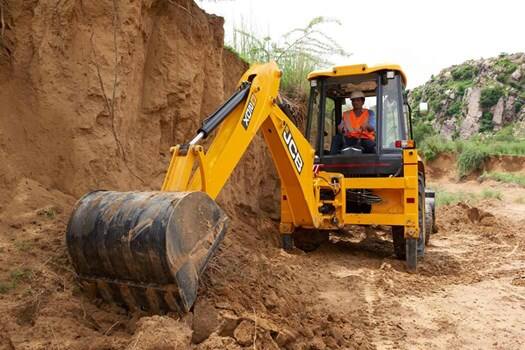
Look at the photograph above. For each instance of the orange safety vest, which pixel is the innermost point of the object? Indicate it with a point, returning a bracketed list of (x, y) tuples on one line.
[(351, 121)]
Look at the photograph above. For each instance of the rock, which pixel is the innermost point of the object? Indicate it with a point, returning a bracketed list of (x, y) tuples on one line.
[(509, 112), (229, 321), (244, 333), (205, 321), (448, 128), (317, 344), (516, 75), (271, 300), (265, 341), (488, 221), (285, 337), (497, 119), (470, 124)]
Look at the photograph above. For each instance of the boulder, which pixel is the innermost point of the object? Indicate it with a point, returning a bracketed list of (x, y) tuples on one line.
[(516, 75), (509, 114), (244, 333), (497, 118), (205, 321), (229, 321), (470, 124)]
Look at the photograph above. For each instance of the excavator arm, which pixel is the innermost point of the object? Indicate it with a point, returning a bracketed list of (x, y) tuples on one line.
[(147, 250), (252, 108)]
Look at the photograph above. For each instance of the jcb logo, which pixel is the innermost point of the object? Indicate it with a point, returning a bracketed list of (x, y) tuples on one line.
[(249, 112), (292, 149)]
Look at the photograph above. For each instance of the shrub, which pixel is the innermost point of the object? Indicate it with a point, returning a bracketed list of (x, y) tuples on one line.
[(487, 193), (464, 72), (421, 131), (486, 123), (434, 145), (455, 108), (506, 66), (490, 96), (518, 104), (471, 158)]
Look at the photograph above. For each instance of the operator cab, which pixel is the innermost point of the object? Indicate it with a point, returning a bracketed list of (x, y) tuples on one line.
[(330, 92)]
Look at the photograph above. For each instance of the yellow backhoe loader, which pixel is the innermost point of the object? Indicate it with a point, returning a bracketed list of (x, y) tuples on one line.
[(148, 250)]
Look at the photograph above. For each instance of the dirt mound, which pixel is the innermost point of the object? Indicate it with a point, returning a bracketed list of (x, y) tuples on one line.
[(93, 95)]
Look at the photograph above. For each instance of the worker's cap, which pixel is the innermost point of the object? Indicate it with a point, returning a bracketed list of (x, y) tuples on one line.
[(357, 94)]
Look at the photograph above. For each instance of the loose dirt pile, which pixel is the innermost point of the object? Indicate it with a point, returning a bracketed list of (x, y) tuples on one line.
[(351, 293), (67, 125)]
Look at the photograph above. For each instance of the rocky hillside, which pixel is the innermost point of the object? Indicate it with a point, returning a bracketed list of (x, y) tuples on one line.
[(475, 96)]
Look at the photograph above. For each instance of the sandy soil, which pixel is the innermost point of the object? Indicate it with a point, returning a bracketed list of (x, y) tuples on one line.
[(469, 291)]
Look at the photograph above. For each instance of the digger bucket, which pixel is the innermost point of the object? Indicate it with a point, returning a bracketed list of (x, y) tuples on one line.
[(146, 250)]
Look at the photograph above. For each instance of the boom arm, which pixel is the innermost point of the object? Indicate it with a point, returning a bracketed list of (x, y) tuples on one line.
[(250, 111)]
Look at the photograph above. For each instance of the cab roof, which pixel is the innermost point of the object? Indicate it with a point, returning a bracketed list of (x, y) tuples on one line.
[(355, 69)]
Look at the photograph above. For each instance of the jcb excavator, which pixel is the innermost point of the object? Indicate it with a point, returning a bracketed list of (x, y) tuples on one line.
[(148, 250)]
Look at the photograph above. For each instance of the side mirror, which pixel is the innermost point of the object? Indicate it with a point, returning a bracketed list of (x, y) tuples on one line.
[(423, 108)]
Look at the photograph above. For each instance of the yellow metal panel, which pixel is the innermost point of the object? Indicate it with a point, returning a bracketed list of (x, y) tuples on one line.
[(410, 170), (355, 69), (293, 158)]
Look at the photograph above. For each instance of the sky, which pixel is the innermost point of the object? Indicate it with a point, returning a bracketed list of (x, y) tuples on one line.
[(422, 36)]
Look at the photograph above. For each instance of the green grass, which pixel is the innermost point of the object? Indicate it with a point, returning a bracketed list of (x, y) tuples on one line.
[(511, 178), (488, 193), (451, 198)]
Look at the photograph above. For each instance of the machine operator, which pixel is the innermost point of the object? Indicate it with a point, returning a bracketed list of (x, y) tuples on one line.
[(357, 127)]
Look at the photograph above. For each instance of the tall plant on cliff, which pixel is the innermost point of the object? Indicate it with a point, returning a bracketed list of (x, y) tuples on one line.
[(297, 53)]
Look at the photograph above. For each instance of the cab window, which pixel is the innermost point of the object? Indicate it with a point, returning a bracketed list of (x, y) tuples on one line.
[(392, 125)]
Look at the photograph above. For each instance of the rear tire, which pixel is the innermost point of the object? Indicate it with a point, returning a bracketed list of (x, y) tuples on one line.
[(429, 222), (309, 240), (416, 248)]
